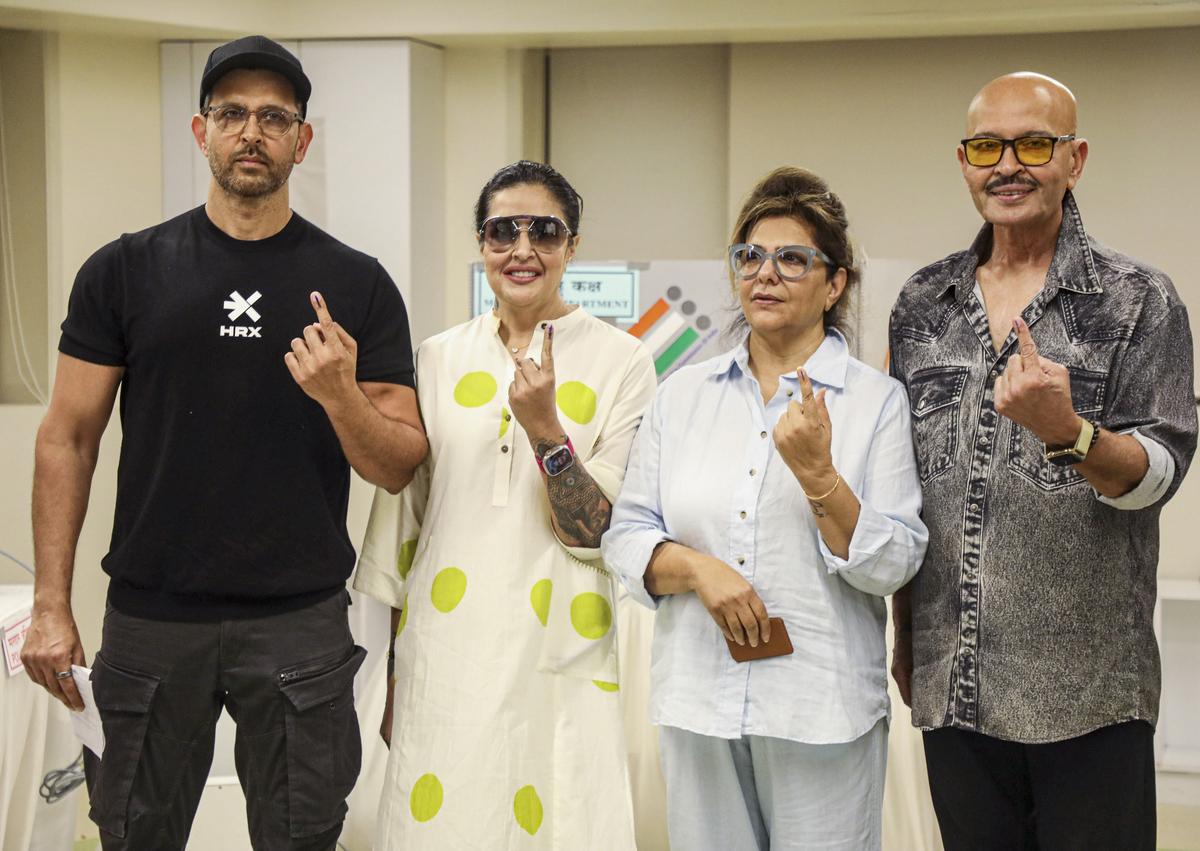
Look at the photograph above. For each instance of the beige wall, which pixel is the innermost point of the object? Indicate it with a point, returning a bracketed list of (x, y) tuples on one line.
[(494, 108), (642, 135), (100, 181), (23, 232)]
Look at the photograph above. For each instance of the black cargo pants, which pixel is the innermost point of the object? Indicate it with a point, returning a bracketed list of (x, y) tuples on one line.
[(288, 682)]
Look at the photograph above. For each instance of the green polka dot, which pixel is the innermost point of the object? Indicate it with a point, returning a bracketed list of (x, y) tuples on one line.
[(448, 589), (475, 389), (405, 559), (426, 797), (539, 598), (591, 615), (527, 807), (577, 401), (505, 416), (403, 616), (603, 686)]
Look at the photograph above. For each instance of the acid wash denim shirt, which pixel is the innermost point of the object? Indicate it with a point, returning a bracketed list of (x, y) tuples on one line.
[(1032, 613)]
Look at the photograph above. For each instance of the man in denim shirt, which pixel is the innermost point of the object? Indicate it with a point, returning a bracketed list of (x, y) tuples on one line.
[(1050, 381)]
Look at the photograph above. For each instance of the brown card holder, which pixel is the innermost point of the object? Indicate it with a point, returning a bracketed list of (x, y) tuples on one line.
[(780, 645)]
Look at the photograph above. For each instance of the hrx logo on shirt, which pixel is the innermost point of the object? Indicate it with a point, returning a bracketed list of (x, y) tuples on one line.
[(239, 306)]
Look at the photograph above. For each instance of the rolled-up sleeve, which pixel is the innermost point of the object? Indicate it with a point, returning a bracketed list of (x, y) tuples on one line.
[(1160, 472), (637, 520), (889, 541), (1154, 402)]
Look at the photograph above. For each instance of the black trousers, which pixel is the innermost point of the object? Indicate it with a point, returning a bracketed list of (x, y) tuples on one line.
[(1093, 792), (288, 682)]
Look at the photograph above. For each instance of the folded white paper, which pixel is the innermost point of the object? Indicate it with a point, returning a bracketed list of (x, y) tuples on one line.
[(86, 724)]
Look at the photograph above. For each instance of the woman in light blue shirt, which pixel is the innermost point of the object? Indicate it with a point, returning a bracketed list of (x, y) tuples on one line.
[(776, 480)]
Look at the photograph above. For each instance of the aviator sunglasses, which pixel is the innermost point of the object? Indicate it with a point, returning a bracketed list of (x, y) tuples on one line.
[(986, 151), (546, 233)]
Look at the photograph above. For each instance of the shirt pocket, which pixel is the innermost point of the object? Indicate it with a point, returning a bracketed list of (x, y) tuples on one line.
[(1026, 454), (934, 396)]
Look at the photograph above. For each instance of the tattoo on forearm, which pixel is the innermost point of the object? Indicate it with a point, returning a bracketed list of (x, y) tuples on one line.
[(581, 510), (818, 508)]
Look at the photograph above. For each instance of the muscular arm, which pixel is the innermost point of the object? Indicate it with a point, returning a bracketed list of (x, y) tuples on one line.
[(68, 443), (380, 432), (377, 423), (579, 510)]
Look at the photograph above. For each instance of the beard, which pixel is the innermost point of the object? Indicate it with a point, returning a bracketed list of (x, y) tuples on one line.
[(233, 180)]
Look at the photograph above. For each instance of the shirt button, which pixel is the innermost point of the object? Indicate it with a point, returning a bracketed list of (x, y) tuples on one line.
[(504, 449), (741, 560), (974, 508), (507, 416), (983, 441), (742, 515), (790, 392), (762, 434), (753, 471)]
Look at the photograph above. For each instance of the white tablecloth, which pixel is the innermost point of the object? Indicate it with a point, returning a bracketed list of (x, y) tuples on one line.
[(35, 737)]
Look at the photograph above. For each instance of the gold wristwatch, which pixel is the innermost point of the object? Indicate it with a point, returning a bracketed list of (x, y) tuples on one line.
[(1088, 434)]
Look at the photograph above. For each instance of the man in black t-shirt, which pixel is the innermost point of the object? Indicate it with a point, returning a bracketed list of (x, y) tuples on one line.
[(243, 406)]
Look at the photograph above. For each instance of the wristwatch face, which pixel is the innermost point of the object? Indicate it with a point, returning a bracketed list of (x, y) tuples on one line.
[(557, 460)]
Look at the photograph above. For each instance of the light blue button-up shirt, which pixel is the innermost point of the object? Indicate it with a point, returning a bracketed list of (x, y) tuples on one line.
[(705, 473)]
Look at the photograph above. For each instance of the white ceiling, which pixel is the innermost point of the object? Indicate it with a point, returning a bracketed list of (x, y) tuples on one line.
[(577, 23)]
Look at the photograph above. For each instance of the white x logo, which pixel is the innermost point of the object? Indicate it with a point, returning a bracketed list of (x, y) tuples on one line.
[(238, 305)]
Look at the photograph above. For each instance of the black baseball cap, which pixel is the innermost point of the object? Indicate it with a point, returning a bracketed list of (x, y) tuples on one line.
[(255, 51)]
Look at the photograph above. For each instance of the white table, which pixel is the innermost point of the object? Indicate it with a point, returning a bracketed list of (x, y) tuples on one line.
[(35, 737)]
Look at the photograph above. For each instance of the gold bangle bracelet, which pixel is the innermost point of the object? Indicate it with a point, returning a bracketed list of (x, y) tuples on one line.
[(827, 493)]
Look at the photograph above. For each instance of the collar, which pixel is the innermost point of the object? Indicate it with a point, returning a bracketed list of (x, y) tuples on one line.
[(1072, 268), (568, 320), (827, 366)]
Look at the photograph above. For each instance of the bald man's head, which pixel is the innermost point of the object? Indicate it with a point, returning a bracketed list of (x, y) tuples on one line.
[(1027, 89), (1023, 193)]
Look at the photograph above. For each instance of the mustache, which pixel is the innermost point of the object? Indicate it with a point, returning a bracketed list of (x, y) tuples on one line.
[(1015, 180), (252, 151)]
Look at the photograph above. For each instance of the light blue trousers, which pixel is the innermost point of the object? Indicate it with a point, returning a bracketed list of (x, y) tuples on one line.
[(762, 794)]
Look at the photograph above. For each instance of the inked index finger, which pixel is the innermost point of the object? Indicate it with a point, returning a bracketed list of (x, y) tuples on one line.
[(322, 309), (1025, 344), (548, 348), (806, 389)]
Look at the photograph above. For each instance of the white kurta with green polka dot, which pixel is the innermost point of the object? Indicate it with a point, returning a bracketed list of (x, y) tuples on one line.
[(507, 726)]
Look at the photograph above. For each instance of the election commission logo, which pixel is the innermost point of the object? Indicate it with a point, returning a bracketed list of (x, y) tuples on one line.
[(239, 306)]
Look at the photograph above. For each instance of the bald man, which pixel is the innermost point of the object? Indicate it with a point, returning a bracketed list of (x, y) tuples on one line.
[(1050, 380)]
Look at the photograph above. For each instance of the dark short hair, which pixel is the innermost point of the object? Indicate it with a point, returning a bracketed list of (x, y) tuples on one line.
[(538, 174), (797, 193)]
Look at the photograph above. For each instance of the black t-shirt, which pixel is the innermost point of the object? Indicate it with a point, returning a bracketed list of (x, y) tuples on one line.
[(232, 486)]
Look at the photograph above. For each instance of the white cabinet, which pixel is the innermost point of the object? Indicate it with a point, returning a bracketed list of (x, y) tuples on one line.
[(1177, 625)]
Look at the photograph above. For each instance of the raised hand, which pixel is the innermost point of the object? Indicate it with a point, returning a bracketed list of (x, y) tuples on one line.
[(1035, 392), (532, 394), (803, 435), (323, 363)]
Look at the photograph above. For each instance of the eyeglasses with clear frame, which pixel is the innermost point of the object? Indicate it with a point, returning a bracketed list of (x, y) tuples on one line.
[(272, 121), (792, 262), (985, 151), (546, 233)]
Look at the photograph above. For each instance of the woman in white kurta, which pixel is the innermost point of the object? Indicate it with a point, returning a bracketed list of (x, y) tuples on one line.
[(506, 730)]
